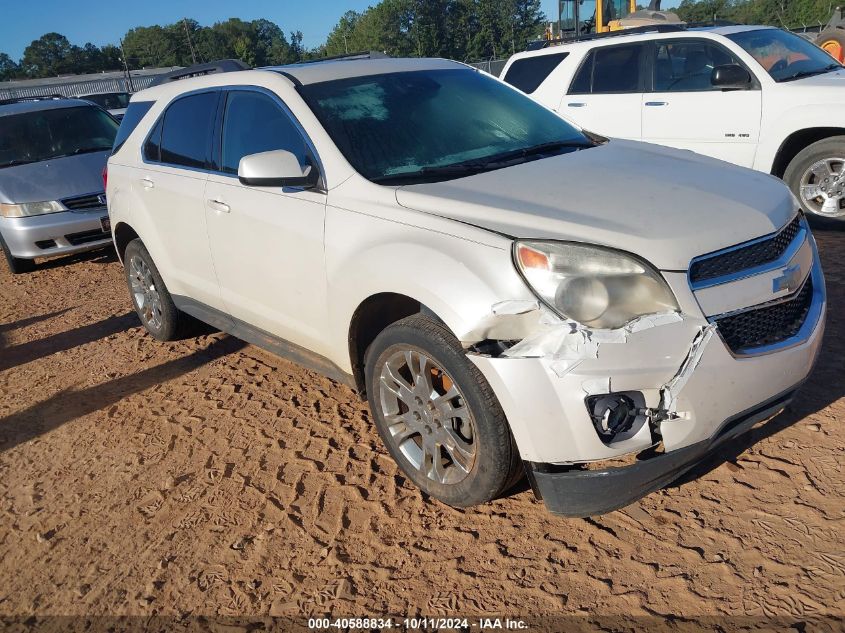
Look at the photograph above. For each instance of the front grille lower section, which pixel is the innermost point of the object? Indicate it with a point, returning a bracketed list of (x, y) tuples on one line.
[(85, 237), (768, 324), (83, 203), (745, 257)]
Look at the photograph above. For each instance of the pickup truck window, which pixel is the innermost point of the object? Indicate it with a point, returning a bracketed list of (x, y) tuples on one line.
[(609, 70), (686, 65), (528, 73), (784, 55)]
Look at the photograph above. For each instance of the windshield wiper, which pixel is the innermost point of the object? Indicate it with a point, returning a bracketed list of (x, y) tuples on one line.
[(504, 159), (811, 73), (478, 165), (15, 163)]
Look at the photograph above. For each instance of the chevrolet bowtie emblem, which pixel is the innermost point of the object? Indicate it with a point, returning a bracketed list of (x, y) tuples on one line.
[(789, 280)]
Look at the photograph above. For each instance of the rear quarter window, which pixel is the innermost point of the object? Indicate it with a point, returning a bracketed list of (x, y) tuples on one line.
[(134, 113), (528, 73)]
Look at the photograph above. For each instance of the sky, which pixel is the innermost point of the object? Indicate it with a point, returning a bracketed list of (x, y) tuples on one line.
[(103, 22)]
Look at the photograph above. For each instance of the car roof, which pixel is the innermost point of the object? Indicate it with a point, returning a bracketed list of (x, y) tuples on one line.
[(319, 71), (639, 36), (46, 104)]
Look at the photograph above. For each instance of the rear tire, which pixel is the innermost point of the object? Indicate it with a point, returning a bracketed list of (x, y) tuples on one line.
[(150, 296), (437, 415), (817, 178)]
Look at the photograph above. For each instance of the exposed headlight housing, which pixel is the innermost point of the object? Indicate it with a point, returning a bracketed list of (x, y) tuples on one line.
[(26, 209), (595, 286)]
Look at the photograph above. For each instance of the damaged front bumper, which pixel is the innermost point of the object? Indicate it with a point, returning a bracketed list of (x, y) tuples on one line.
[(696, 393), (582, 493)]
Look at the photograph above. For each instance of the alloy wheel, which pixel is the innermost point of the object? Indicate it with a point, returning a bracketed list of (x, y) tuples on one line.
[(823, 187), (427, 417), (147, 297)]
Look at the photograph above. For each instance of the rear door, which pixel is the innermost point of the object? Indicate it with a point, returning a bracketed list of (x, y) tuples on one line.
[(683, 109), (267, 242), (606, 92), (171, 186)]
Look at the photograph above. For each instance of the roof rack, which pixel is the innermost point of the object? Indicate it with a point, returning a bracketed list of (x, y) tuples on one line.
[(536, 45), (33, 98), (200, 70), (347, 56)]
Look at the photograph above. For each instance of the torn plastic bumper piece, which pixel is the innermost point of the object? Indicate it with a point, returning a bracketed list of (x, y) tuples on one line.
[(582, 493)]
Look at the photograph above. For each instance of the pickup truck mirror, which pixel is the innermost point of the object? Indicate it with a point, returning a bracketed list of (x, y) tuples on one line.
[(730, 77), (277, 168)]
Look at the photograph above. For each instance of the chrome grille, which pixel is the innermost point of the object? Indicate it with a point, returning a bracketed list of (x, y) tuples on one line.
[(89, 201), (744, 257), (768, 324)]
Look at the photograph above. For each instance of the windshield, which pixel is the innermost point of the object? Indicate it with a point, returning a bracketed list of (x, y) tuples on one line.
[(109, 100), (31, 137), (784, 55), (435, 124)]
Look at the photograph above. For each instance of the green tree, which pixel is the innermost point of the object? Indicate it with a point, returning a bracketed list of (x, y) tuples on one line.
[(48, 56), (8, 68)]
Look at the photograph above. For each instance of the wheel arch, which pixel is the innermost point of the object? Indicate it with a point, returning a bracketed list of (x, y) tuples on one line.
[(796, 142), (370, 318), (123, 234)]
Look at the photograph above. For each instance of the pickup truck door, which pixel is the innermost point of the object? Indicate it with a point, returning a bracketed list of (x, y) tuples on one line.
[(267, 242), (684, 110), (605, 95)]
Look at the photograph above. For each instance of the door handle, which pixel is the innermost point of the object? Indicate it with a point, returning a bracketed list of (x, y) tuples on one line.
[(656, 104), (147, 183), (577, 104), (218, 205)]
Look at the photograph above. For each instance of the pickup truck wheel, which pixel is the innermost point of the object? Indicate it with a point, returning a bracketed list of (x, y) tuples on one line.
[(817, 176), (437, 415), (150, 297)]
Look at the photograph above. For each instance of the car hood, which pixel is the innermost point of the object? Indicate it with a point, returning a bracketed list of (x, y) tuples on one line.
[(667, 206), (835, 79), (53, 179)]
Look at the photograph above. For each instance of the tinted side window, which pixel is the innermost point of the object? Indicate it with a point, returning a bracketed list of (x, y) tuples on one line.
[(527, 74), (188, 130), (134, 113), (583, 81), (254, 123), (617, 69), (610, 69), (152, 146), (686, 65)]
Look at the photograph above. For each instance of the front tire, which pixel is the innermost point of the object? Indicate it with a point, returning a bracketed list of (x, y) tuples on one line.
[(437, 415), (17, 266), (150, 297), (817, 177)]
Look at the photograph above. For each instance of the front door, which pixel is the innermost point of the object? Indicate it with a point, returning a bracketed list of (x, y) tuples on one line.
[(267, 242)]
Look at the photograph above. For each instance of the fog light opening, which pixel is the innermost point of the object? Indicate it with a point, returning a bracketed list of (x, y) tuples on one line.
[(617, 416)]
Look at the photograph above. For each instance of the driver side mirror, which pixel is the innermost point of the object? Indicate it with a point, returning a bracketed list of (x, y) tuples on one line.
[(277, 168), (730, 77)]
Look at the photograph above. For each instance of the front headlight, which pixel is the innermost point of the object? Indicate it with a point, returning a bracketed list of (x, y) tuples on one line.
[(595, 286), (29, 208)]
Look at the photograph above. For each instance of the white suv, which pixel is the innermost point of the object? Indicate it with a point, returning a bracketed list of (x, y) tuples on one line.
[(755, 96), (437, 240)]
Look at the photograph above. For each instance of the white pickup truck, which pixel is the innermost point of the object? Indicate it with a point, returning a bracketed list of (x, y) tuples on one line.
[(755, 96)]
